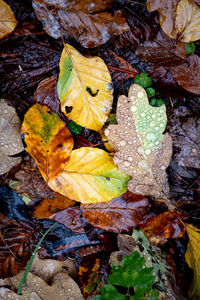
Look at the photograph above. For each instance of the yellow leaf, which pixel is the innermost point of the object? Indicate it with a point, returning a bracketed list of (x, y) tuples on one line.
[(84, 88), (192, 257), (48, 140), (90, 176), (7, 19), (188, 21)]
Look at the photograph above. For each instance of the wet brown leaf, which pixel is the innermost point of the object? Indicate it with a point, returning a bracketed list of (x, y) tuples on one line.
[(48, 207), (120, 214), (167, 14), (164, 226), (10, 141), (17, 242), (188, 75), (89, 27), (185, 132)]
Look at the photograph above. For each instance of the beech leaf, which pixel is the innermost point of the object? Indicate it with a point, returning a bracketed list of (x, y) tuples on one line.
[(48, 140), (187, 21), (90, 176), (143, 152), (10, 140), (192, 257), (7, 19), (84, 87)]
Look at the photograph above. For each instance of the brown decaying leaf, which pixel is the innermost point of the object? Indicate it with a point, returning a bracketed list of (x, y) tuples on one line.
[(10, 141), (120, 214), (160, 53), (185, 132), (120, 69), (188, 75), (187, 21), (164, 226), (48, 207), (90, 275), (90, 29), (167, 14), (7, 19), (17, 243)]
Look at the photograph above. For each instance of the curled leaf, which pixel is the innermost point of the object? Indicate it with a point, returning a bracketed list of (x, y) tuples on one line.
[(84, 88), (48, 140), (90, 176), (7, 19), (143, 151)]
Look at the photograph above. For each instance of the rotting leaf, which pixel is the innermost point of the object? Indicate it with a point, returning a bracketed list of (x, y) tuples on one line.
[(7, 19), (161, 227), (187, 21), (85, 86), (118, 215), (90, 176), (167, 14), (88, 24), (17, 242), (10, 141), (188, 75), (48, 140), (143, 151), (185, 132), (192, 257)]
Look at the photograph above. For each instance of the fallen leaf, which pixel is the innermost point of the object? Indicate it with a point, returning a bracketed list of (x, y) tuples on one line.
[(120, 214), (48, 207), (192, 257), (17, 242), (7, 19), (90, 176), (160, 53), (84, 88), (187, 21), (87, 23), (161, 227), (188, 75), (48, 140), (167, 14), (185, 132), (120, 68), (10, 141), (143, 151), (90, 275)]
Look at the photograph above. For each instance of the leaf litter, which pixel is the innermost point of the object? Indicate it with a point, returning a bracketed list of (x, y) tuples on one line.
[(132, 46)]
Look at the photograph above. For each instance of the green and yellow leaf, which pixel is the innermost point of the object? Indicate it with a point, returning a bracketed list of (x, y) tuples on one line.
[(90, 176), (143, 152), (84, 88), (48, 140), (192, 257)]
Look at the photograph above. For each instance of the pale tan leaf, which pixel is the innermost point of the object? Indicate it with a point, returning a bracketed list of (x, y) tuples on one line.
[(7, 19)]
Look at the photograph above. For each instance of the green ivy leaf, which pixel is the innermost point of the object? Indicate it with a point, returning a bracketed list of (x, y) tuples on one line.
[(77, 129), (150, 92), (190, 48), (143, 79), (156, 102)]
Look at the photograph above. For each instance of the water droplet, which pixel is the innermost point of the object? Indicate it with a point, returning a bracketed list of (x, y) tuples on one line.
[(161, 125), (140, 150), (142, 114), (127, 163), (150, 136), (140, 95), (130, 158), (122, 143), (162, 168), (147, 151), (133, 108), (142, 164), (107, 131), (153, 116), (132, 97), (194, 150)]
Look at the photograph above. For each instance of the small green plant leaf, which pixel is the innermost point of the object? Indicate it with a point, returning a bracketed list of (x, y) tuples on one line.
[(156, 102), (132, 273), (72, 126), (150, 92), (143, 79), (190, 48)]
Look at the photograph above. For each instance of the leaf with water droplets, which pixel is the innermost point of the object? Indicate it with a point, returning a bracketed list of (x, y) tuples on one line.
[(142, 150)]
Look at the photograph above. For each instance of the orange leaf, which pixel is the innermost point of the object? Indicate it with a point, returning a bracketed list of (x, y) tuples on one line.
[(48, 140)]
